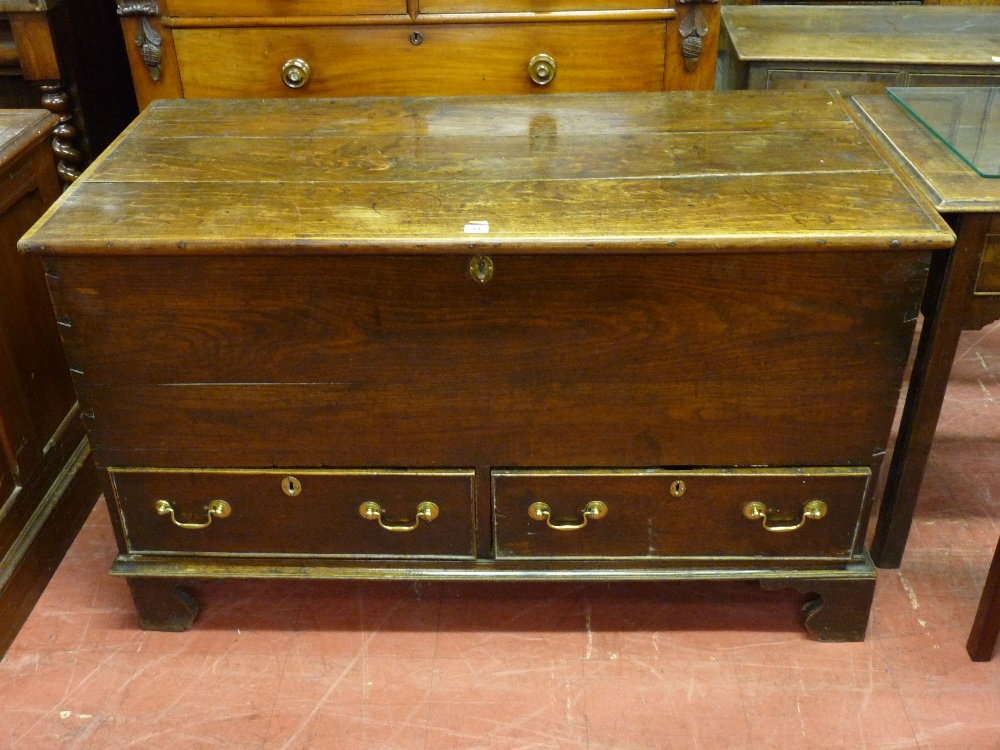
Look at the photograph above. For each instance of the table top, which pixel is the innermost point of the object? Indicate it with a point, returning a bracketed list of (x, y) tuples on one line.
[(22, 128), (946, 180), (676, 172), (920, 34)]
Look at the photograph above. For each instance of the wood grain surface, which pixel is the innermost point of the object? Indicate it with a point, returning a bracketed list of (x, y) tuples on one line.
[(876, 33), (703, 172), (452, 59), (610, 360)]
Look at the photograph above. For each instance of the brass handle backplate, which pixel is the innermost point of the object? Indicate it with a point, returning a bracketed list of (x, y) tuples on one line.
[(757, 511), (373, 512), (295, 73), (542, 69), (216, 509), (542, 512)]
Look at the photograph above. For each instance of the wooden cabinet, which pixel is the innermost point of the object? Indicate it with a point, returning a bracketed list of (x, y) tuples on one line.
[(590, 337), (72, 53), (859, 50), (47, 480), (322, 48)]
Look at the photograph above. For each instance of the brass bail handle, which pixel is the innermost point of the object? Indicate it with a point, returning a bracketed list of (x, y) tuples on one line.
[(373, 512), (757, 511), (542, 512), (216, 509)]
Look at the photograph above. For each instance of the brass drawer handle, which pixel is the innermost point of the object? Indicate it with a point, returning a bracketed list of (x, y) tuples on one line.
[(373, 512), (295, 73), (542, 512), (542, 69), (216, 509), (756, 511)]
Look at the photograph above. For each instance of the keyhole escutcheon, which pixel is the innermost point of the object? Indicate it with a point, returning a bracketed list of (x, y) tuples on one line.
[(481, 268), (291, 486)]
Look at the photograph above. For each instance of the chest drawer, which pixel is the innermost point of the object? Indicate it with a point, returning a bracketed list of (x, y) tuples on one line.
[(431, 60), (846, 81), (280, 8), (798, 513), (357, 513), (534, 6)]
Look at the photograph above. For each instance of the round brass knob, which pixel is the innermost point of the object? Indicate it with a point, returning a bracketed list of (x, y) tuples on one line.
[(542, 69), (295, 73)]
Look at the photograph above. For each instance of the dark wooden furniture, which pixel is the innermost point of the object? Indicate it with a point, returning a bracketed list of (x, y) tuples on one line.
[(986, 626), (858, 50), (72, 52), (319, 48), (48, 483), (963, 293), (592, 337)]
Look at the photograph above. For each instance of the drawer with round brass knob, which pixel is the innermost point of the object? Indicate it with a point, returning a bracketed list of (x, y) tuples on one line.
[(424, 60), (357, 512), (780, 512)]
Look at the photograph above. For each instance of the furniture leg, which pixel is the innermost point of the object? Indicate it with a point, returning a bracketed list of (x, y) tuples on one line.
[(950, 286), (163, 604), (839, 609), (986, 626)]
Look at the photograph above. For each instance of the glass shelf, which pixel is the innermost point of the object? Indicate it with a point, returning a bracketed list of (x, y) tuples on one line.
[(965, 119)]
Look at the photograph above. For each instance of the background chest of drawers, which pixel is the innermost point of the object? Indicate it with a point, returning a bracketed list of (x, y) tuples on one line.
[(323, 48), (859, 50)]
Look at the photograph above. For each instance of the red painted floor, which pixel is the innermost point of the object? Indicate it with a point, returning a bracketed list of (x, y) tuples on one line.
[(434, 667)]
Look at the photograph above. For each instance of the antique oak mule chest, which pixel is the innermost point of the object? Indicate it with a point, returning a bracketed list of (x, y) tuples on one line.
[(593, 337)]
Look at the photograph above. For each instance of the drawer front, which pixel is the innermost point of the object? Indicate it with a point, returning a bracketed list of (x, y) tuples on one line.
[(953, 79), (989, 269), (279, 8), (535, 6), (449, 59), (297, 512), (694, 513), (848, 82)]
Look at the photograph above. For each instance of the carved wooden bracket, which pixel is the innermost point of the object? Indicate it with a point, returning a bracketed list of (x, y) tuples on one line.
[(148, 39), (692, 29)]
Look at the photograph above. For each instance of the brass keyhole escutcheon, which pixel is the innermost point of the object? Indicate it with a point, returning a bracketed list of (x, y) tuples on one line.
[(416, 38), (291, 486), (542, 69), (295, 73), (677, 488), (481, 268)]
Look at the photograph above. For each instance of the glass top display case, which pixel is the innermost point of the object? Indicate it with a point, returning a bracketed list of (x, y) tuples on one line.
[(965, 119)]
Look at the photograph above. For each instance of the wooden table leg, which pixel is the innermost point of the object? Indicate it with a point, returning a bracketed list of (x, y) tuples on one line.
[(986, 626), (949, 289)]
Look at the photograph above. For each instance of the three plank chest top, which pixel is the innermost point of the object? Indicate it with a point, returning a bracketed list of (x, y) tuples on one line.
[(593, 337)]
